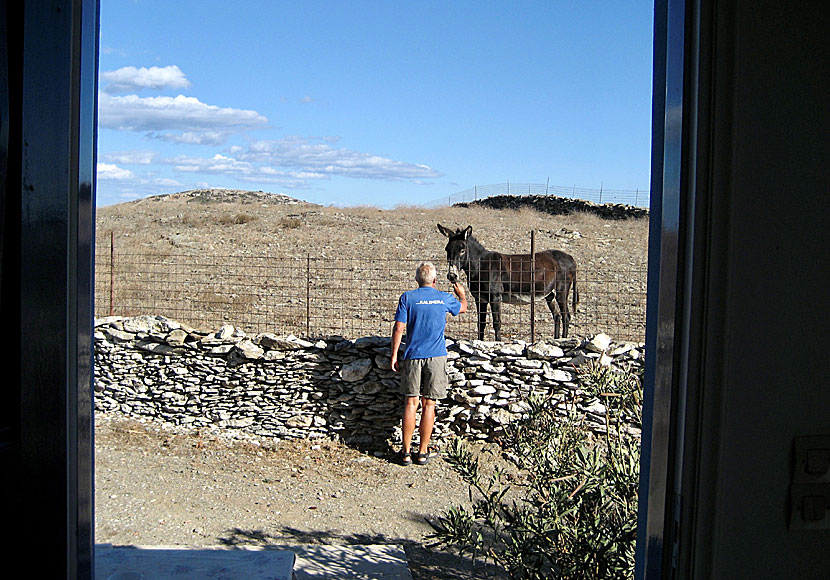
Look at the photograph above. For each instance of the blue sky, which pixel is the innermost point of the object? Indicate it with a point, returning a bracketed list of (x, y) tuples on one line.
[(372, 102)]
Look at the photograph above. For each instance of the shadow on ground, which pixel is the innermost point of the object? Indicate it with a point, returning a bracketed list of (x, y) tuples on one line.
[(425, 562)]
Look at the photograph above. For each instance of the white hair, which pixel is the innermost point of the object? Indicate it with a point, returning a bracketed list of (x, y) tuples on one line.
[(425, 274)]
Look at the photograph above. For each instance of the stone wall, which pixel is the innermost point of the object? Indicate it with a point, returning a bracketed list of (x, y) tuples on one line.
[(285, 387), (555, 205)]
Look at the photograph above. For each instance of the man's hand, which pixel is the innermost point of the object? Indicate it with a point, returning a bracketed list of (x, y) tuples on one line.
[(462, 296), (397, 334)]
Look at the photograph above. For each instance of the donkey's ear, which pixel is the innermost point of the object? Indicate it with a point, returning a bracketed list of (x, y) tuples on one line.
[(446, 231), (468, 232)]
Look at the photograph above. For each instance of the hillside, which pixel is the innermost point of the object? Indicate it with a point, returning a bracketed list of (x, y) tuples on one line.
[(276, 264), (233, 222)]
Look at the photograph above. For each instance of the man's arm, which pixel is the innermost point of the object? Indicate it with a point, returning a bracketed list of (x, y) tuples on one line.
[(397, 334), (462, 296)]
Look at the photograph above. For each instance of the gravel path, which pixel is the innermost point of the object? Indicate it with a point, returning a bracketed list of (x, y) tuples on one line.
[(158, 485)]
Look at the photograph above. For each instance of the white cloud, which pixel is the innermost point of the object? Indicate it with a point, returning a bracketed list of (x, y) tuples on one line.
[(304, 155), (218, 164), (306, 100), (164, 114), (244, 171), (294, 161), (129, 157), (291, 162), (167, 182), (193, 137), (110, 50), (130, 78), (110, 171)]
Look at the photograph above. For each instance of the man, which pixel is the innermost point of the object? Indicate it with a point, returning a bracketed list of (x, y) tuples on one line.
[(422, 313)]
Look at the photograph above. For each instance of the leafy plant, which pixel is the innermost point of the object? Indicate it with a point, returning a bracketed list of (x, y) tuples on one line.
[(572, 514)]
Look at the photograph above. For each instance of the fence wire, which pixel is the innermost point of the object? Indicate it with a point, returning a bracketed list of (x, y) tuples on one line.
[(315, 296)]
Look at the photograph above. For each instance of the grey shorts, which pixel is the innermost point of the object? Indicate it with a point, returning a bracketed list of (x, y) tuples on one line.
[(425, 377)]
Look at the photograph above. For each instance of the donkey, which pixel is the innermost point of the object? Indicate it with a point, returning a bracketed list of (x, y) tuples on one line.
[(494, 278)]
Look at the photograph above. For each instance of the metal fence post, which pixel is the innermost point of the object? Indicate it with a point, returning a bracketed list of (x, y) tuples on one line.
[(308, 296), (532, 286), (112, 273)]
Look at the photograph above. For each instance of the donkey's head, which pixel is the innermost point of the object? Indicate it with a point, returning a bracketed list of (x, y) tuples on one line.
[(458, 256)]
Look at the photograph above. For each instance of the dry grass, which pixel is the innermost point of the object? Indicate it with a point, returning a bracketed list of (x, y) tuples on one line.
[(253, 257)]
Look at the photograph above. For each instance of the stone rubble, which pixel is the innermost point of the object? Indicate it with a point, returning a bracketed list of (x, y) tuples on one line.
[(556, 205), (268, 386), (219, 195)]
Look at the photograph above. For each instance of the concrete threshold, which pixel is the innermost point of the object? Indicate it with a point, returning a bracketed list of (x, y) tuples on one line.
[(295, 562)]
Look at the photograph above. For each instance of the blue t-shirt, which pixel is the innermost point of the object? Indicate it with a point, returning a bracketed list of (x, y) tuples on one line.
[(424, 310)]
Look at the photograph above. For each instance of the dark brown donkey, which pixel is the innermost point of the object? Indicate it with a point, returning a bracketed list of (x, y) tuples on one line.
[(494, 278)]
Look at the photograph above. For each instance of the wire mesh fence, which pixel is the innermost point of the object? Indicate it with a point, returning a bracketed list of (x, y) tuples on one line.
[(314, 296), (636, 197)]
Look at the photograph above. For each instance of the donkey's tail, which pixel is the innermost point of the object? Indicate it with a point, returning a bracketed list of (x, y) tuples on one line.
[(575, 295)]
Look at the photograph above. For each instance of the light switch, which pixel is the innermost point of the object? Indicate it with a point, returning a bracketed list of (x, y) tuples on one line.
[(810, 506), (811, 462), (813, 508), (817, 461)]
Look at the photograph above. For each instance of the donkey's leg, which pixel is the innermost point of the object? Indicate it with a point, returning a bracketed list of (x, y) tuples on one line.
[(495, 308), (553, 305), (481, 308), (562, 298)]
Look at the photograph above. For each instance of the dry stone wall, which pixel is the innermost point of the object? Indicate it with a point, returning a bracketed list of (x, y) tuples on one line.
[(286, 387), (555, 205)]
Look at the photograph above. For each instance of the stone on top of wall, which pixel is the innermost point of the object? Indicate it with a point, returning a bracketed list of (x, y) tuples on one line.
[(272, 386)]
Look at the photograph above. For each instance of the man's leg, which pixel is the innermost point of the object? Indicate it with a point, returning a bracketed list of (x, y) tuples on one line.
[(427, 423), (435, 385), (410, 411)]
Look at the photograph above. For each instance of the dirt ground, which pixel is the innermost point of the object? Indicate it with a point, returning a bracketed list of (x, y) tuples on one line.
[(161, 485)]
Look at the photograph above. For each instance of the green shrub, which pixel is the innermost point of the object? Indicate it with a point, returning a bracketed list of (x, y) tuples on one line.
[(573, 512)]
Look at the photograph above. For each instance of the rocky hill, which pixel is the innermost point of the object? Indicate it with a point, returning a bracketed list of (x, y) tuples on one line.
[(228, 221), (219, 195)]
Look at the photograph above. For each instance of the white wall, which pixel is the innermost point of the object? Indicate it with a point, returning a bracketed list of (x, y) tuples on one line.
[(764, 359)]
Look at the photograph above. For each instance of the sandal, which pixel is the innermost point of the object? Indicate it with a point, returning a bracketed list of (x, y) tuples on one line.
[(421, 458), (406, 458)]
